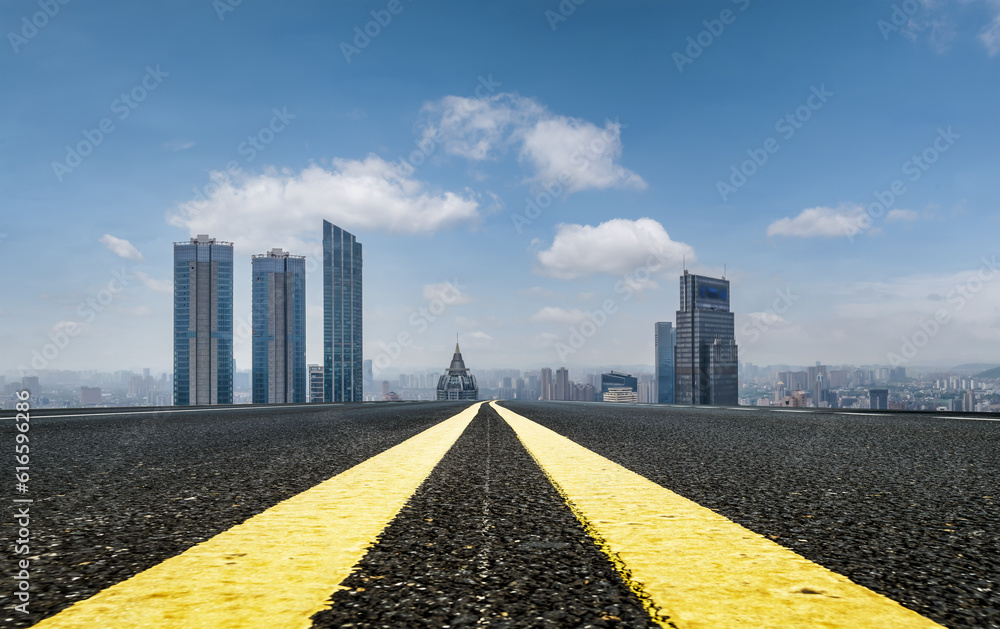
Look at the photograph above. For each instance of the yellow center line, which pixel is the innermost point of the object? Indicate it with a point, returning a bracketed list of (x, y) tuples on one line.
[(281, 566), (693, 567)]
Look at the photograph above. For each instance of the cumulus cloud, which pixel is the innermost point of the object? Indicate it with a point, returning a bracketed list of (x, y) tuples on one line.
[(552, 314), (122, 248), (901, 215), (846, 220), (275, 208), (575, 153), (165, 287), (451, 293), (616, 247)]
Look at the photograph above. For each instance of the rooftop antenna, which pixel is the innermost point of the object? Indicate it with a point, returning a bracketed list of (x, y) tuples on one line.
[(723, 271)]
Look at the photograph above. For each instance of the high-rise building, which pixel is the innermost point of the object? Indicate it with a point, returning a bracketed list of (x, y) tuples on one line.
[(368, 376), (545, 384), (90, 396), (878, 399), (562, 385), (706, 363), (665, 338), (30, 384), (342, 360), (203, 322), (618, 380), (279, 328), (315, 383), (457, 383)]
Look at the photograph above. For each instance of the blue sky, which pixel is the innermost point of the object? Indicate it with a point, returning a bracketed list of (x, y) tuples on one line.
[(620, 111)]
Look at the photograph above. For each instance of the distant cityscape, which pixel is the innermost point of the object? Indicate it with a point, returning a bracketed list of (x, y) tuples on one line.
[(696, 359)]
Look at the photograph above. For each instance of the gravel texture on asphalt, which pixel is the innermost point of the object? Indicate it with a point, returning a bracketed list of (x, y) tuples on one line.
[(485, 541), (117, 494), (905, 505)]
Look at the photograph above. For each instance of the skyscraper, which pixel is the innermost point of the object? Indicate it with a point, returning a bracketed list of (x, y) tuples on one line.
[(457, 383), (279, 328), (562, 386), (342, 362), (545, 384), (705, 358), (665, 338), (203, 322)]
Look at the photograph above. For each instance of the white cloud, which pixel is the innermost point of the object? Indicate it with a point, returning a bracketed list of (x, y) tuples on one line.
[(121, 247), (465, 322), (450, 293), (990, 35), (552, 314), (616, 247), (178, 145), (165, 287), (570, 152), (846, 220), (901, 215), (276, 208)]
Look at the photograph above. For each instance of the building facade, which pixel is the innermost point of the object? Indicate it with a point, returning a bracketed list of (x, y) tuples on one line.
[(343, 379), (279, 328), (457, 383), (878, 399), (621, 395), (545, 384), (664, 340), (203, 322), (562, 388), (616, 380), (706, 363), (315, 383)]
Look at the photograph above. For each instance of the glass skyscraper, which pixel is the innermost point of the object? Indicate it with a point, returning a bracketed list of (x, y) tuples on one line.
[(343, 379), (664, 341), (279, 328), (203, 322), (705, 359)]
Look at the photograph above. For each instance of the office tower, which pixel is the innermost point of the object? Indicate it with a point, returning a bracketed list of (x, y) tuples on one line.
[(562, 387), (457, 383), (705, 356), (618, 380), (203, 322), (279, 328), (315, 383), (968, 401), (665, 337), (878, 399), (342, 361), (545, 384)]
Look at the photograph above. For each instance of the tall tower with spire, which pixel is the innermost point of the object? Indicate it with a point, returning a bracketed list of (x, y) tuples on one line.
[(457, 383)]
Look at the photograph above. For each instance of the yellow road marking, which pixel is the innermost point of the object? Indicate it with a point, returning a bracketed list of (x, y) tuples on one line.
[(700, 569), (279, 567)]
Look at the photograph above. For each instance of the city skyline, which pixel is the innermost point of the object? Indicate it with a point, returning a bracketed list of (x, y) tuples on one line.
[(512, 196)]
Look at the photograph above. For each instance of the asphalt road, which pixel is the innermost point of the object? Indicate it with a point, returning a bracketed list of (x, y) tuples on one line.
[(906, 505), (117, 494)]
